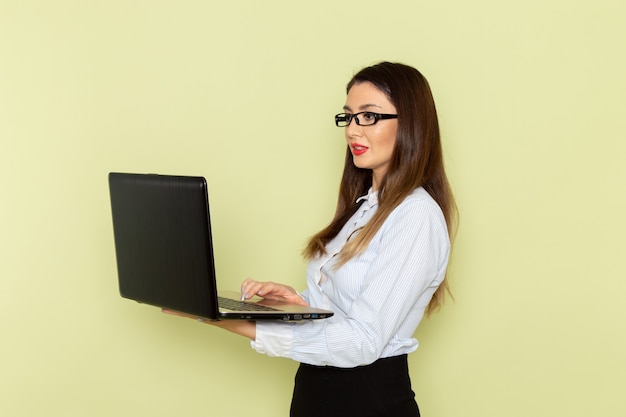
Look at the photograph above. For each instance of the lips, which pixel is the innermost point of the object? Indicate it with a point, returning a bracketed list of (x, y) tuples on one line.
[(358, 149)]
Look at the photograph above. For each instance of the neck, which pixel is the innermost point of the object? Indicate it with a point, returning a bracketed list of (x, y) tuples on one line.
[(377, 178)]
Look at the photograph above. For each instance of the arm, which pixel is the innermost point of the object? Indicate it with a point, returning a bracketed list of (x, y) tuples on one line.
[(391, 285), (240, 327)]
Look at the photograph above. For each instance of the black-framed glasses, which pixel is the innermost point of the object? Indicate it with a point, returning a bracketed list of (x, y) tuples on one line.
[(364, 118)]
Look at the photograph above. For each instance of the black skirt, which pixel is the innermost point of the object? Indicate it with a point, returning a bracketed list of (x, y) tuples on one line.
[(382, 389)]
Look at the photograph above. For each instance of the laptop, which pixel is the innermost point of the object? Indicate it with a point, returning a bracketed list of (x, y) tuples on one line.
[(164, 251)]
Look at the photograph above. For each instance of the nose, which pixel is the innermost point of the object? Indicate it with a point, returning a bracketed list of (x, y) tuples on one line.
[(353, 130)]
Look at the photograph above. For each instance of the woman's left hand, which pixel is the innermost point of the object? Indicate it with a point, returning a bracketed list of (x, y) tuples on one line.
[(241, 327)]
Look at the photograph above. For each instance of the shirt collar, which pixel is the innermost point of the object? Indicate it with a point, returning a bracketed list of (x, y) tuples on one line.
[(371, 197)]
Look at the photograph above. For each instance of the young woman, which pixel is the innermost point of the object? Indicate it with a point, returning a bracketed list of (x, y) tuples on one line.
[(380, 264)]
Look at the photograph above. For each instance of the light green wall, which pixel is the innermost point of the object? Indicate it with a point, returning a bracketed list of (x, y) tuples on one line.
[(532, 98)]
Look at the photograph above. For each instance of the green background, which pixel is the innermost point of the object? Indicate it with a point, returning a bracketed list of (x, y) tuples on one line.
[(531, 97)]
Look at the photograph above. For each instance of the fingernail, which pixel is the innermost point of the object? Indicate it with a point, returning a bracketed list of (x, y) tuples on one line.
[(243, 297)]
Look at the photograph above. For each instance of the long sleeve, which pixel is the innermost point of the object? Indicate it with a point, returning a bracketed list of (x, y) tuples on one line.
[(378, 297)]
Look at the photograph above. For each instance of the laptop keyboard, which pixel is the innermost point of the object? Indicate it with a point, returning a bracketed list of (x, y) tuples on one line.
[(235, 305)]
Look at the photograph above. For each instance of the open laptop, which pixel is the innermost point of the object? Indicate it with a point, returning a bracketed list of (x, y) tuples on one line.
[(164, 251)]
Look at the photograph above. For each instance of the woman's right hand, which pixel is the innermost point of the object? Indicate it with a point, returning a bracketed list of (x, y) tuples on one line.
[(271, 291)]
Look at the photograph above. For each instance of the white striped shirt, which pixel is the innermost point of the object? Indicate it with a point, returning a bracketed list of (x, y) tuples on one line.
[(378, 297)]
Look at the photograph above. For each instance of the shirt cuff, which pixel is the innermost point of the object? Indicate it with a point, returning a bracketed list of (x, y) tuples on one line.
[(273, 339)]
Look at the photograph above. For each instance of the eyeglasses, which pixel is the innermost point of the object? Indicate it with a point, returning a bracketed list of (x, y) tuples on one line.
[(364, 118)]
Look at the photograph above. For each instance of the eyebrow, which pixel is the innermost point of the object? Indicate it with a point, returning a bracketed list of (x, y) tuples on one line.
[(362, 107)]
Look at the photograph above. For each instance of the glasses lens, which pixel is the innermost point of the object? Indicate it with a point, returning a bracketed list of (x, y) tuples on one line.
[(342, 119), (367, 118)]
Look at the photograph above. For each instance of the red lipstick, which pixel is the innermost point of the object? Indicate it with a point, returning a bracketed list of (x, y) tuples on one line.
[(358, 149)]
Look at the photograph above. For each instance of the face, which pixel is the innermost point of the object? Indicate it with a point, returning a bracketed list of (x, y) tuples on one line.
[(371, 146)]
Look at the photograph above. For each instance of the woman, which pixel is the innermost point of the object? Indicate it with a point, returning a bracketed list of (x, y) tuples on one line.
[(380, 264)]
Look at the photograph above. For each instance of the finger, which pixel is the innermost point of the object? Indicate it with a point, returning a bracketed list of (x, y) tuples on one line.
[(249, 288), (262, 289), (257, 288), (247, 281), (245, 288)]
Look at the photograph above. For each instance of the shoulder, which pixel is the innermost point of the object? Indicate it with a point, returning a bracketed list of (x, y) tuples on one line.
[(417, 210), (420, 194), (420, 201)]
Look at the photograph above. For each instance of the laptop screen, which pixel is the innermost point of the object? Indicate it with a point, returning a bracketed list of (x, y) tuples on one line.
[(163, 242)]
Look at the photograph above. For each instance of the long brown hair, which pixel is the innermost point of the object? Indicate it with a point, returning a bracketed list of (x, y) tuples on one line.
[(417, 161)]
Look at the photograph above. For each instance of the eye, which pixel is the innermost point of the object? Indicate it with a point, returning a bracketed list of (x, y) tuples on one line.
[(368, 116)]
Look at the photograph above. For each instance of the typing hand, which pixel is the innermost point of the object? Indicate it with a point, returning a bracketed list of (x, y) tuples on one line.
[(271, 291)]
